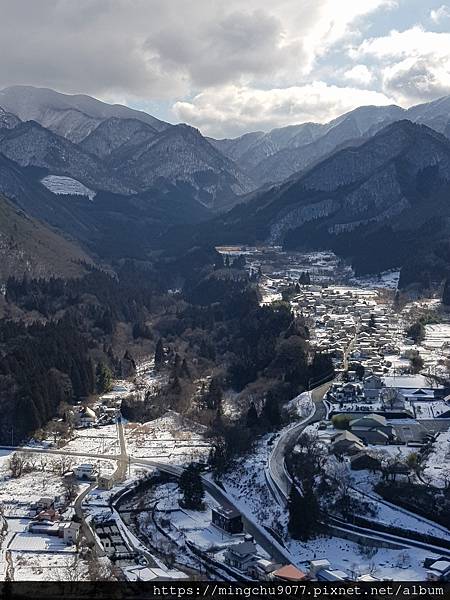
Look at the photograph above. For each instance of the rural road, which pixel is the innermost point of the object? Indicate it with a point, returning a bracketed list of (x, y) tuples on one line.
[(261, 536), (276, 470)]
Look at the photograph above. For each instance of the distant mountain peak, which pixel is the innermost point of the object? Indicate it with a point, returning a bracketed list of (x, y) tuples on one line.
[(73, 116)]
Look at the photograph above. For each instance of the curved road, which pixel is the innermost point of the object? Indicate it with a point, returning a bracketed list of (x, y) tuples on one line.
[(280, 482), (261, 536)]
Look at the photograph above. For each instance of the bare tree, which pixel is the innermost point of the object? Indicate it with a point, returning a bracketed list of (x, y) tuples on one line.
[(16, 464), (70, 488), (62, 465), (58, 429), (101, 569), (72, 569)]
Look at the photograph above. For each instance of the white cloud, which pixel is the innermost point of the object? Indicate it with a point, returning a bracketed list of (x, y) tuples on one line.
[(414, 64), (359, 74), (440, 14), (415, 80), (415, 41), (260, 56), (153, 49), (232, 110)]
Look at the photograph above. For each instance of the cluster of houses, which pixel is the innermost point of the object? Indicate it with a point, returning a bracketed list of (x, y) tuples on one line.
[(343, 317), (88, 472), (408, 409), (370, 429), (94, 416), (438, 569), (49, 520), (244, 556)]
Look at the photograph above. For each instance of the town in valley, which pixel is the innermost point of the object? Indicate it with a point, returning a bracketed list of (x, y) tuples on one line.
[(97, 494)]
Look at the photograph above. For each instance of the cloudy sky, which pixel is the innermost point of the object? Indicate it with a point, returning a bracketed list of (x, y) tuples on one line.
[(231, 66)]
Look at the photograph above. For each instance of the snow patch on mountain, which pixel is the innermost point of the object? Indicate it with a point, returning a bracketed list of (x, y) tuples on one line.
[(66, 185)]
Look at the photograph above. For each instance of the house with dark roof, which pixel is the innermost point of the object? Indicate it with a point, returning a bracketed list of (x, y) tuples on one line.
[(242, 556), (439, 570), (227, 518), (373, 429), (346, 442), (364, 461)]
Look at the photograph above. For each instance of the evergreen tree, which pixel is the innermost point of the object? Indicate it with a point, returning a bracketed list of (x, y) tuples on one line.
[(446, 293), (213, 397), (416, 332), (104, 378), (271, 411), (177, 365), (304, 514), (252, 416), (185, 372), (218, 264), (218, 459), (191, 486), (416, 363), (239, 262), (159, 354), (175, 386)]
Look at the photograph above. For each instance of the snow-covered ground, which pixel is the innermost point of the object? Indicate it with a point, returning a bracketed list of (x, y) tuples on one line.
[(59, 184), (389, 514), (353, 559), (193, 525), (45, 566), (437, 469), (171, 438), (31, 486), (101, 440), (387, 280), (248, 487)]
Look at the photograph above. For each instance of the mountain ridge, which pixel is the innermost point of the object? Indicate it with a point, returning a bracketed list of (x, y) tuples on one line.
[(368, 203)]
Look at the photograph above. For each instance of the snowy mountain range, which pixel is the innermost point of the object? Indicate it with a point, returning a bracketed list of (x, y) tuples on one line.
[(96, 171)]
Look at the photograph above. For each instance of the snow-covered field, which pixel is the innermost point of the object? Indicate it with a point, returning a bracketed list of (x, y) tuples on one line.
[(171, 438), (101, 440), (353, 559), (59, 184), (437, 468), (387, 280), (44, 566), (31, 486), (194, 525)]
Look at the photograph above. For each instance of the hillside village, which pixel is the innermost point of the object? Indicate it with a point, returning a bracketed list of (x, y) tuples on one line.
[(105, 496)]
